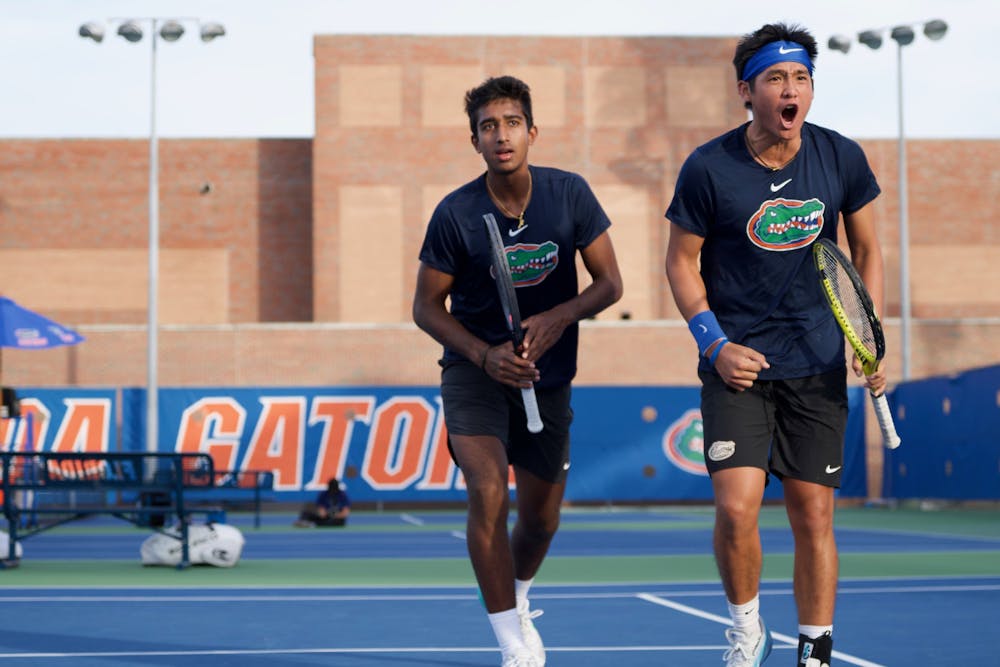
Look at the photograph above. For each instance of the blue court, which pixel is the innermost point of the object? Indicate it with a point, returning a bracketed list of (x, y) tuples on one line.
[(668, 613)]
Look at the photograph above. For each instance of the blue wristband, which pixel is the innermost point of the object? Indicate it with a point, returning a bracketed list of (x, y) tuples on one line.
[(705, 329), (715, 352)]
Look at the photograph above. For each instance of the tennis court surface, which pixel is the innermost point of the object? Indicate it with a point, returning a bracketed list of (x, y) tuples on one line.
[(623, 587)]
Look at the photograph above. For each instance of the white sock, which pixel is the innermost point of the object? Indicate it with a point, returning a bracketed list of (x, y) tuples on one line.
[(507, 628), (521, 588), (815, 631), (746, 616)]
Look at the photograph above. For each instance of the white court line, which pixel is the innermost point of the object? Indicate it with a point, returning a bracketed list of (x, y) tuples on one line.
[(345, 651), (725, 621), (409, 518), (460, 534), (236, 598), (381, 597), (643, 584), (989, 539), (945, 588)]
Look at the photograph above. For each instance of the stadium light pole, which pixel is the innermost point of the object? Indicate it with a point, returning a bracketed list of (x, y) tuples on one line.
[(903, 35), (169, 30)]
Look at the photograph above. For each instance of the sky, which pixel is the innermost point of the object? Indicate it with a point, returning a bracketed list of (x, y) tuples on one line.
[(257, 81)]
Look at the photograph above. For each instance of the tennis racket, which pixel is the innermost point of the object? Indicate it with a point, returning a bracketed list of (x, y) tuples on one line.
[(852, 308), (512, 315)]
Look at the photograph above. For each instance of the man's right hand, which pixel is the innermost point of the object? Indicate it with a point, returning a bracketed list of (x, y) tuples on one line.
[(738, 365)]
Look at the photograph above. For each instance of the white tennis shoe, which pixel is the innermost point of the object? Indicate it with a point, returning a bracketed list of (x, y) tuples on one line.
[(747, 650), (522, 658), (528, 632)]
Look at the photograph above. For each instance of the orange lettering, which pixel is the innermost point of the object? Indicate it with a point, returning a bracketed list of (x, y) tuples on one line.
[(212, 425), (85, 428), (337, 414), (26, 434), (278, 441), (397, 444)]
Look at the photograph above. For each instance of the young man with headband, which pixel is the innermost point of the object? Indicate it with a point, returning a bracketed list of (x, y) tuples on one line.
[(746, 209), (546, 217)]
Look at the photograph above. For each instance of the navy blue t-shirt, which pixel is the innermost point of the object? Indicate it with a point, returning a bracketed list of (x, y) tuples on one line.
[(759, 226), (562, 217), (333, 502)]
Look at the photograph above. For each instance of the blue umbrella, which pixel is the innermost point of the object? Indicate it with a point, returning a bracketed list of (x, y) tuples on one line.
[(27, 330)]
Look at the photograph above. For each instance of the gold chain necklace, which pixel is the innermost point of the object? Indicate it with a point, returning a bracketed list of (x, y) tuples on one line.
[(503, 209), (758, 158)]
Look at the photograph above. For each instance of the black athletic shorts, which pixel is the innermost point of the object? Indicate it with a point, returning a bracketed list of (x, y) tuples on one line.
[(476, 404), (791, 428)]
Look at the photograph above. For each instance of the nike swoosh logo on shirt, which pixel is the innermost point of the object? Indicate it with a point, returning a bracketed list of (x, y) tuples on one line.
[(515, 232), (782, 50), (830, 469), (775, 188)]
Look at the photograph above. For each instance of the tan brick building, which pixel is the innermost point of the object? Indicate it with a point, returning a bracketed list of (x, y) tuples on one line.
[(291, 262)]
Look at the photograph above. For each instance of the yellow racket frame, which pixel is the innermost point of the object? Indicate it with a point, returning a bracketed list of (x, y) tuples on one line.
[(868, 361)]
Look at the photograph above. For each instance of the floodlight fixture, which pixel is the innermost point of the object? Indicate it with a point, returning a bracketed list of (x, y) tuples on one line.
[(210, 31), (94, 31), (870, 38), (935, 29), (130, 30), (839, 43), (171, 31), (903, 35)]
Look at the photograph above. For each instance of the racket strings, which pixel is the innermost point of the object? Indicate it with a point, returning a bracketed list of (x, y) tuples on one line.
[(850, 302)]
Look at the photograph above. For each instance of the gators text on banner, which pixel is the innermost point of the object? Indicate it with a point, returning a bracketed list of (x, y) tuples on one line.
[(389, 443)]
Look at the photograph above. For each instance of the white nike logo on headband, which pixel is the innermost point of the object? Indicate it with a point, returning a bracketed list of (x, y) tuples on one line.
[(782, 50)]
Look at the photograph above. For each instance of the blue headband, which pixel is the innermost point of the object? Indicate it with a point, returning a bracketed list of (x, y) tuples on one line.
[(776, 52)]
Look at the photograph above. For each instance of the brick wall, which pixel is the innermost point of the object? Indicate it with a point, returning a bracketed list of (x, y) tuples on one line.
[(321, 235), (235, 229), (392, 138)]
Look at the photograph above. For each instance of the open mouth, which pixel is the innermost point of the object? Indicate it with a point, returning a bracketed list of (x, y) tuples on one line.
[(789, 113)]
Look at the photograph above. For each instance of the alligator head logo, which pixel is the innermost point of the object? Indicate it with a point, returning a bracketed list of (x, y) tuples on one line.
[(786, 224), (684, 441), (530, 263)]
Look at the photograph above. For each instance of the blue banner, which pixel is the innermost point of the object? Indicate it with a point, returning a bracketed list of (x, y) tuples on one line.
[(62, 420), (948, 427), (388, 444)]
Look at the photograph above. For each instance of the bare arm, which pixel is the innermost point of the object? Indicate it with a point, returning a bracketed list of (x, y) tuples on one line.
[(544, 329), (866, 252), (431, 315), (736, 364), (866, 255), (683, 272)]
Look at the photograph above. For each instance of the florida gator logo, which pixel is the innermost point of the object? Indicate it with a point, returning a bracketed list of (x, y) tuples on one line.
[(786, 224), (684, 443), (530, 263)]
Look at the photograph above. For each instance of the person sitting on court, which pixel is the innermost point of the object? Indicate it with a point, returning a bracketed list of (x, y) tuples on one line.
[(331, 508)]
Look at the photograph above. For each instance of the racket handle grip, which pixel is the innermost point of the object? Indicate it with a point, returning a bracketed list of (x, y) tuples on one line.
[(884, 415), (531, 410)]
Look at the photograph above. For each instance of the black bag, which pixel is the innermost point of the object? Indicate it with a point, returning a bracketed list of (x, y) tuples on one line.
[(149, 499)]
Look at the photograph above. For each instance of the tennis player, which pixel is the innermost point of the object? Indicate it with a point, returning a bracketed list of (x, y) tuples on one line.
[(746, 208), (546, 216)]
